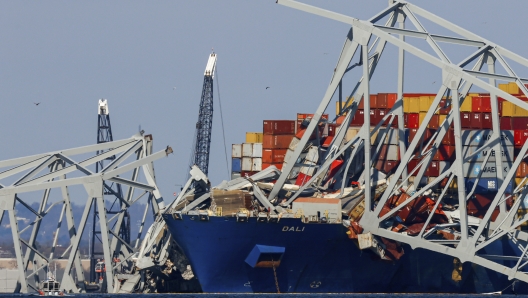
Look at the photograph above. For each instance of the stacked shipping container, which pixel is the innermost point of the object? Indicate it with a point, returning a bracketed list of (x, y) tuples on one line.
[(476, 124)]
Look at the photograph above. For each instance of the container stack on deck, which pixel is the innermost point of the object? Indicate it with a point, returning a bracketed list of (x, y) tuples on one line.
[(246, 158), (476, 130)]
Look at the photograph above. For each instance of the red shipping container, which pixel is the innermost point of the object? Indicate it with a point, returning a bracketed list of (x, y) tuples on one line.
[(413, 120), (411, 165), (486, 121), (278, 127), (266, 165), (379, 165), (506, 123), (302, 179), (390, 166), (332, 129), (500, 100), (449, 137), (379, 114), (361, 104), (373, 117), (481, 104), (445, 153), (276, 141), (273, 155), (476, 120), (465, 120), (334, 167), (394, 122), (327, 141), (391, 100), (428, 133), (444, 107), (340, 120), (359, 118), (304, 116), (479, 204), (433, 170), (384, 153), (382, 101), (434, 122), (520, 122), (519, 137), (373, 101)]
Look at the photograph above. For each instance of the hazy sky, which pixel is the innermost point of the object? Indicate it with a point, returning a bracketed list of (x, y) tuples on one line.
[(69, 54)]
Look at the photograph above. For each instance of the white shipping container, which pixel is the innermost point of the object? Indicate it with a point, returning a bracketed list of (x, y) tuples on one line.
[(235, 175), (472, 170), (247, 150), (481, 137), (392, 153), (293, 143), (507, 153), (257, 164), (308, 170), (236, 150), (313, 155), (257, 150), (247, 163), (350, 134)]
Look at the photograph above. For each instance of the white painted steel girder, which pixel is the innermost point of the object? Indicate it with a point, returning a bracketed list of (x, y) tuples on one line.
[(457, 80), (44, 172)]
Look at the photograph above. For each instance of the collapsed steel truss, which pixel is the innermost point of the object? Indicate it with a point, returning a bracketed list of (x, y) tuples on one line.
[(457, 80), (31, 176)]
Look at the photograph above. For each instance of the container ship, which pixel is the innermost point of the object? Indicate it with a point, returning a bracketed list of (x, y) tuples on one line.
[(234, 245), (399, 192)]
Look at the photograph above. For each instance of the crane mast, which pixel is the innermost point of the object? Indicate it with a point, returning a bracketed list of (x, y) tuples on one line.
[(202, 143)]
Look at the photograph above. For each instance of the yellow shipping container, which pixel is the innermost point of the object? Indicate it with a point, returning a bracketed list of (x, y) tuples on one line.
[(414, 105), (519, 112), (504, 87), (422, 117), (508, 109), (344, 106), (466, 106), (254, 137), (406, 104), (424, 103), (441, 119), (473, 94), (521, 212), (513, 88), (519, 182)]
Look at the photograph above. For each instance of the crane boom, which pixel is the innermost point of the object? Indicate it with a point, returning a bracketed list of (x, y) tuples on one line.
[(205, 119)]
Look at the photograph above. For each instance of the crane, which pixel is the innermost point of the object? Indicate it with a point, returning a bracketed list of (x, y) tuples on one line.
[(202, 140)]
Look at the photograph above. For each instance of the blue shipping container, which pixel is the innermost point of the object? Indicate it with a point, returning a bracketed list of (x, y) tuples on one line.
[(236, 165), (486, 185)]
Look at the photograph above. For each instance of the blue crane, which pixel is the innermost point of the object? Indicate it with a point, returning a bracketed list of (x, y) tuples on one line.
[(204, 126)]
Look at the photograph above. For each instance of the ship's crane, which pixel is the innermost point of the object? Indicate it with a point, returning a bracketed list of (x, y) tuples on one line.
[(202, 141)]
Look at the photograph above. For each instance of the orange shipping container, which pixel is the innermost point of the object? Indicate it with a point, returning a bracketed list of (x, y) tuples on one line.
[(273, 155), (276, 141)]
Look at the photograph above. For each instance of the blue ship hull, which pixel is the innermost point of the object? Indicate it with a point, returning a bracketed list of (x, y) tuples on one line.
[(317, 258)]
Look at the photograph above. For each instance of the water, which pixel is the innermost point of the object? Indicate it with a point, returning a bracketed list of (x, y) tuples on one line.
[(228, 295)]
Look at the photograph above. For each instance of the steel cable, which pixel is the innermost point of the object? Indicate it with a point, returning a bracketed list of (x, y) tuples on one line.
[(222, 121)]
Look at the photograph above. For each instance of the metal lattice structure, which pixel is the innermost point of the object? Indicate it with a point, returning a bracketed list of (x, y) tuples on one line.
[(47, 173), (204, 126), (367, 40), (113, 193)]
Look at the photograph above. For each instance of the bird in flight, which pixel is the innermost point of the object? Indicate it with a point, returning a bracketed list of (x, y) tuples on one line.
[(267, 87), (36, 103)]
